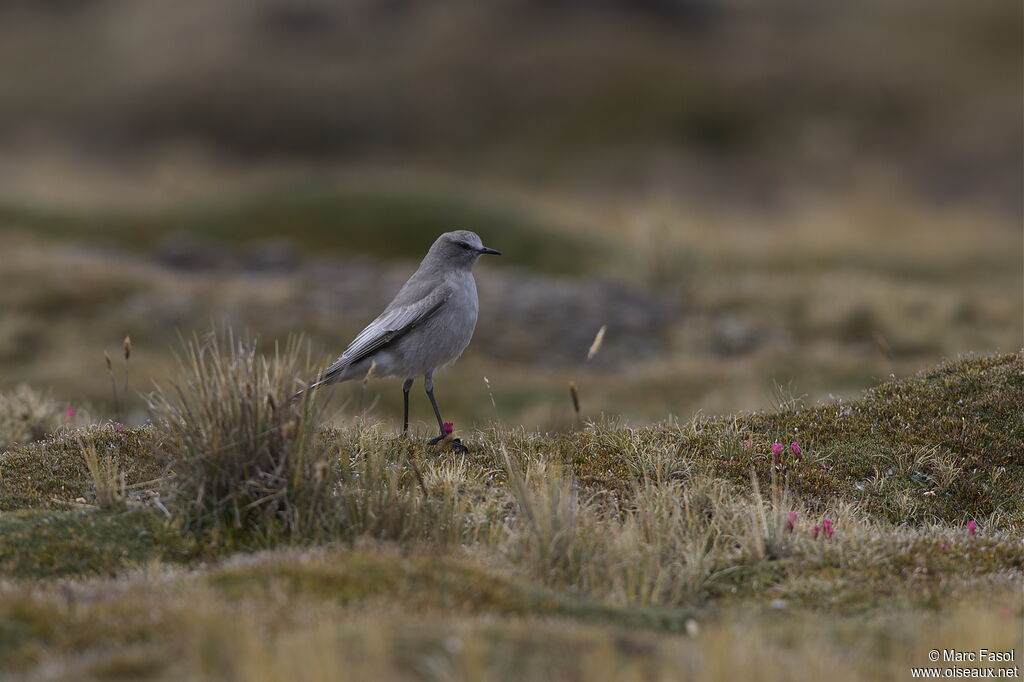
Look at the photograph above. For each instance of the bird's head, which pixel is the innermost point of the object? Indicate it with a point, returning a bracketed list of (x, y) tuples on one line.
[(460, 248)]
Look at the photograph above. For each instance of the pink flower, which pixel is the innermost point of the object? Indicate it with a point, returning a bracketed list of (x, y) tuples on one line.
[(972, 527), (70, 413), (119, 427), (826, 529), (826, 526), (795, 447), (449, 427), (748, 444), (777, 449), (791, 523), (942, 545)]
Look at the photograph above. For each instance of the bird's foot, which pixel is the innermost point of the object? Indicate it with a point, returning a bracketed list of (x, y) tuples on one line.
[(454, 444)]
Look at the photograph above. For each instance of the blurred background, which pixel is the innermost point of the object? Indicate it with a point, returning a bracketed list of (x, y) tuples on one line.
[(762, 202)]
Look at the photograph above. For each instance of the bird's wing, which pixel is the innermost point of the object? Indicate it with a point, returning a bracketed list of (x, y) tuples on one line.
[(392, 323)]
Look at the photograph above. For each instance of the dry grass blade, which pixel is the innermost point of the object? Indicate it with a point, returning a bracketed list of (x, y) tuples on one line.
[(245, 459), (574, 393), (598, 340), (107, 479)]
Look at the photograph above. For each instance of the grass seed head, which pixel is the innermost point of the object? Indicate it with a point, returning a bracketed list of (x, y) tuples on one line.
[(598, 340)]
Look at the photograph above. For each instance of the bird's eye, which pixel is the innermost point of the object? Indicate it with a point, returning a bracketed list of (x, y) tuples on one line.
[(464, 245)]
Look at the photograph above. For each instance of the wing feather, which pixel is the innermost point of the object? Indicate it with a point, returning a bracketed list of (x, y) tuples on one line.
[(390, 325)]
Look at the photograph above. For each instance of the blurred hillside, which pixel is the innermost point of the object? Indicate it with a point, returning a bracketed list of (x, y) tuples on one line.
[(739, 99), (799, 195)]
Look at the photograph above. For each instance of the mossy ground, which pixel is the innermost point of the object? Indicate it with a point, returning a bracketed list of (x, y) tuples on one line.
[(948, 438), (102, 595)]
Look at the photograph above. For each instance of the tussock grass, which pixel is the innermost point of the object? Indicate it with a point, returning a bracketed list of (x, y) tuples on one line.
[(248, 464), (244, 457)]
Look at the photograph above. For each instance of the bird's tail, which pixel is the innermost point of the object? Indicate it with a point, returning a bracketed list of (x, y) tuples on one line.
[(328, 377), (302, 391)]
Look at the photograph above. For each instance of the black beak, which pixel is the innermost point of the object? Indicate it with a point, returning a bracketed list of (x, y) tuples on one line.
[(484, 249)]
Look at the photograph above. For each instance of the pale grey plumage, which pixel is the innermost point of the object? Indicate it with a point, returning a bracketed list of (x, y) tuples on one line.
[(428, 324)]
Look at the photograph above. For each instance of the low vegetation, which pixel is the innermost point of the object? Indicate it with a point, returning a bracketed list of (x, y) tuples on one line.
[(885, 514), (241, 455)]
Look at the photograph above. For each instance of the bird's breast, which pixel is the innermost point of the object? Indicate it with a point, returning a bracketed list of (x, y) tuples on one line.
[(442, 338), (460, 311)]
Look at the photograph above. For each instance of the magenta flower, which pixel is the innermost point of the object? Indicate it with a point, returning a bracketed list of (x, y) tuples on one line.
[(748, 444), (795, 447), (791, 523), (70, 413), (776, 453), (972, 527), (449, 427), (119, 427), (815, 531), (826, 527)]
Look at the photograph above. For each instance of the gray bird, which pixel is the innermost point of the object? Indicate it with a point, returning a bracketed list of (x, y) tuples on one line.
[(427, 325)]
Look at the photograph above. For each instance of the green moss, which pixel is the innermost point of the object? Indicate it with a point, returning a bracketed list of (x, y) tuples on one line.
[(970, 412), (51, 473), (41, 544)]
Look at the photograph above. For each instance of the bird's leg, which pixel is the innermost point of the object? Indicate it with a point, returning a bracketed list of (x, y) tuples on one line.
[(454, 443), (428, 384), (405, 395)]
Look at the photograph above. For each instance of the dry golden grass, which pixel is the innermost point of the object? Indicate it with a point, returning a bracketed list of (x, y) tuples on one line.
[(240, 451), (107, 479)]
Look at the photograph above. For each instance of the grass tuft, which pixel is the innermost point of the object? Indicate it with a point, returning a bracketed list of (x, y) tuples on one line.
[(107, 478), (247, 462)]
